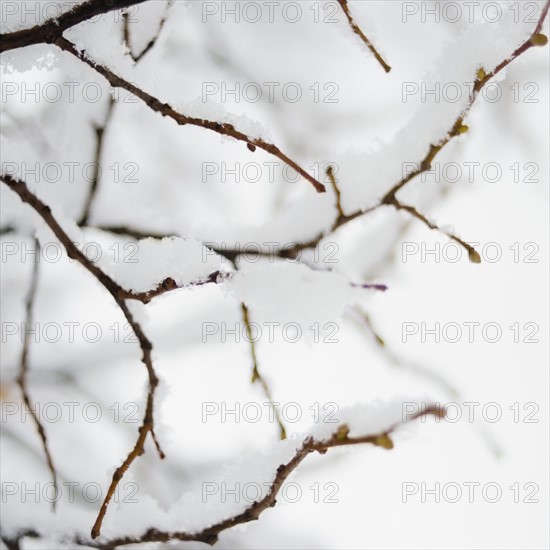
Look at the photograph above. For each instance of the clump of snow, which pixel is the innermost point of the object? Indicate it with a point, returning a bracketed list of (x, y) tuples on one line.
[(287, 292), (152, 261), (25, 14), (216, 112), (251, 473)]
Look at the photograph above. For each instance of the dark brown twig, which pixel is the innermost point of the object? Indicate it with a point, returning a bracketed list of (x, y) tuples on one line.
[(100, 134), (151, 43), (51, 30)]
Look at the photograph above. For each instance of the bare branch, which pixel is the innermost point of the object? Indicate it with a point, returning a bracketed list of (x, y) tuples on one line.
[(74, 252), (357, 30), (428, 374), (406, 364), (458, 128), (256, 376), (332, 178), (152, 42), (24, 370)]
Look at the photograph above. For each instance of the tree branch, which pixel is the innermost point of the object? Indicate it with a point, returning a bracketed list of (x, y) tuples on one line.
[(100, 135), (472, 252), (24, 369), (53, 29), (151, 43), (256, 376), (357, 30)]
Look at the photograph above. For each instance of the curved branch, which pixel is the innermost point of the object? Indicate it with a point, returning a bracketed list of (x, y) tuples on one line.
[(209, 535), (225, 129)]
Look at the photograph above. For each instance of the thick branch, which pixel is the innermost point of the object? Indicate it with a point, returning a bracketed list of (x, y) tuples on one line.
[(53, 29)]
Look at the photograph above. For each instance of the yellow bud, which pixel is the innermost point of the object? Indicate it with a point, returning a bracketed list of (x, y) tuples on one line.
[(462, 129), (481, 74), (342, 433), (539, 39), (474, 256), (383, 441)]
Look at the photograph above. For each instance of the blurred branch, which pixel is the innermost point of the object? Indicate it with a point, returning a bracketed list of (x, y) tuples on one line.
[(256, 376), (394, 359), (152, 42), (357, 30), (99, 133), (24, 370), (100, 130), (418, 370), (225, 129), (7, 229), (13, 543)]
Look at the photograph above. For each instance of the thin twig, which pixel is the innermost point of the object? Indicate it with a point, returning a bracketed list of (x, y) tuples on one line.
[(152, 42), (332, 178), (472, 252), (357, 30), (100, 130), (100, 134), (24, 369), (256, 376), (432, 376)]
